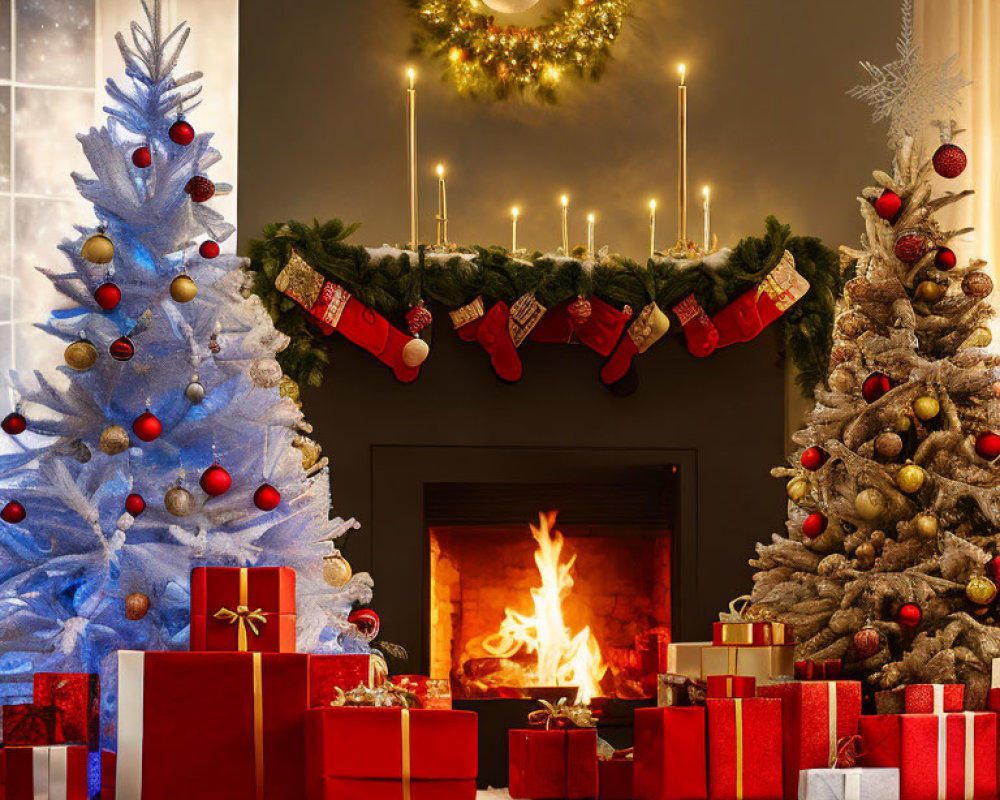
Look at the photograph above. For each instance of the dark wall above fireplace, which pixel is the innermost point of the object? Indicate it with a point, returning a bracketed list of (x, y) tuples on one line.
[(723, 415)]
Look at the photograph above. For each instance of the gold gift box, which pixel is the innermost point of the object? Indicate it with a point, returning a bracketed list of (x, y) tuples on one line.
[(684, 658), (766, 664)]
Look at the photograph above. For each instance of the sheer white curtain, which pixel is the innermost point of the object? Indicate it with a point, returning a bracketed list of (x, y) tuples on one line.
[(971, 28)]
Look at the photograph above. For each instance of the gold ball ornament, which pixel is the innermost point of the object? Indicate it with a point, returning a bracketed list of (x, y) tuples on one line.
[(178, 501), (98, 249), (336, 570), (415, 352), (926, 407), (870, 504), (183, 289), (910, 479), (796, 489), (930, 291), (81, 355), (980, 337), (265, 373), (981, 590), (114, 440), (903, 423), (927, 526), (136, 606)]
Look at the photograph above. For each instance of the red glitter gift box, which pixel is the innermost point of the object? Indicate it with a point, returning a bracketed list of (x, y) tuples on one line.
[(243, 609), (31, 773), (815, 715), (968, 743), (744, 749), (881, 745), (432, 693), (77, 698), (561, 762), (31, 725), (425, 755), (670, 749), (211, 725), (934, 698)]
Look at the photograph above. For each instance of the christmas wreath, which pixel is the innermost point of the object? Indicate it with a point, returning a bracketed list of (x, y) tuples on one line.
[(487, 59), (373, 297)]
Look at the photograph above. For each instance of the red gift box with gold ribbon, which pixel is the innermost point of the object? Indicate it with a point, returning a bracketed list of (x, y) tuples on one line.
[(44, 773), (409, 753), (744, 749), (559, 762), (815, 716), (243, 609), (328, 673), (670, 749), (77, 698), (731, 686), (211, 725)]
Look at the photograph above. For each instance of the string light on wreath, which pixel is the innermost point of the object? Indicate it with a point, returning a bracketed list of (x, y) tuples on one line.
[(484, 57)]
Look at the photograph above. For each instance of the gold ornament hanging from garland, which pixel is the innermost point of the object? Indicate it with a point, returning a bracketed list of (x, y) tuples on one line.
[(485, 58)]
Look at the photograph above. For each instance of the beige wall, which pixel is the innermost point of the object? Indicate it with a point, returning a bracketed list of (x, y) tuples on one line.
[(321, 107)]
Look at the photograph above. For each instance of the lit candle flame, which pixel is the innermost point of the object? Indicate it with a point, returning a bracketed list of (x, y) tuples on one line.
[(411, 73), (564, 201), (590, 218), (440, 171), (652, 205), (705, 192), (514, 212), (683, 71)]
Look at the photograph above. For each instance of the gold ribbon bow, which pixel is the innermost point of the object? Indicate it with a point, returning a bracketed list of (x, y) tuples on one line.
[(734, 614), (245, 618), (562, 715)]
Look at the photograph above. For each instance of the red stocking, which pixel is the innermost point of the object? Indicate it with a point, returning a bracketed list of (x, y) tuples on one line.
[(649, 327), (739, 321), (702, 336), (467, 319), (602, 330), (502, 331), (781, 289)]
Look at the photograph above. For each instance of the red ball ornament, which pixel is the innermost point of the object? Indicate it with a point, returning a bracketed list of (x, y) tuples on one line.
[(909, 615), (888, 205), (134, 504), (867, 642), (266, 498), (200, 188), (181, 133), (988, 445), (814, 525), (141, 157), (14, 423), (875, 385), (13, 513), (122, 349), (215, 481), (950, 160), (813, 458), (366, 621), (147, 427), (945, 259), (910, 248), (108, 296), (208, 249)]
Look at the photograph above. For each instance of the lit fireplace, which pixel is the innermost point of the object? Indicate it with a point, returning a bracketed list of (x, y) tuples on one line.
[(564, 611)]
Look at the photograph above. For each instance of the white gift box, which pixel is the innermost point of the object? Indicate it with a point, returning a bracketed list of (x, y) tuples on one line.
[(849, 784)]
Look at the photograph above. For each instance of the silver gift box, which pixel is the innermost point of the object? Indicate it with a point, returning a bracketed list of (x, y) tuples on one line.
[(849, 784)]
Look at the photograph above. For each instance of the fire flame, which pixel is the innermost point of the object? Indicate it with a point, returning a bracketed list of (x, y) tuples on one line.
[(563, 659)]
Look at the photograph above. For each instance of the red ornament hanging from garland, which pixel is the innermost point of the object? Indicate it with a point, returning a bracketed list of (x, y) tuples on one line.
[(134, 504), (909, 615), (988, 445), (580, 310), (813, 458), (208, 249), (888, 205), (950, 160), (215, 481), (141, 157), (200, 188), (945, 259), (875, 386), (147, 427), (13, 513), (14, 424), (910, 247), (418, 317), (266, 498), (181, 133), (122, 349), (108, 296), (814, 525)]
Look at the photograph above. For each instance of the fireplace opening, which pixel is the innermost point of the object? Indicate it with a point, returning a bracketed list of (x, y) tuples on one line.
[(549, 590)]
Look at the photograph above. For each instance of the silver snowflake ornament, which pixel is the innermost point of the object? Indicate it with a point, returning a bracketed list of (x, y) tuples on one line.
[(909, 92)]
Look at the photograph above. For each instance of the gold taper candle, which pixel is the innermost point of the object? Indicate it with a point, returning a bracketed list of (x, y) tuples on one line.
[(564, 202), (590, 235), (652, 228), (442, 215), (707, 208), (513, 233), (682, 221), (411, 155)]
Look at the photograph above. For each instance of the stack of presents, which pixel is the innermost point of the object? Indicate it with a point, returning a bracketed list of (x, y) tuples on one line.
[(243, 716)]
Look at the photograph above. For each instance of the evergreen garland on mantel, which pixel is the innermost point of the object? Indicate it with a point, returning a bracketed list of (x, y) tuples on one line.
[(393, 284)]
